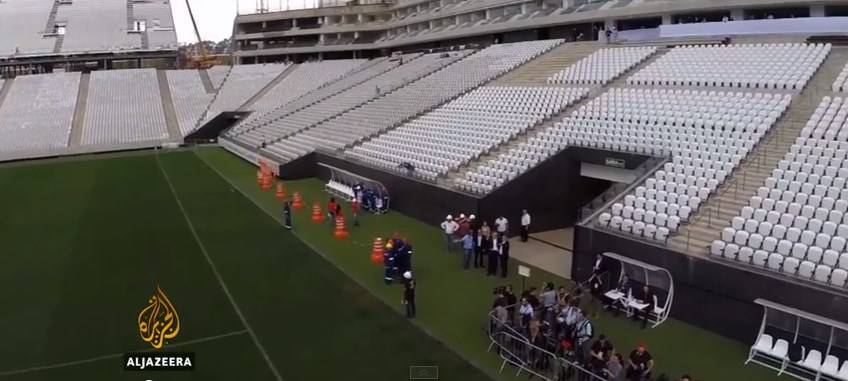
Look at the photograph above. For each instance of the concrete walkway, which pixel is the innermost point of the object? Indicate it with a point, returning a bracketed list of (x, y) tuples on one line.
[(549, 254)]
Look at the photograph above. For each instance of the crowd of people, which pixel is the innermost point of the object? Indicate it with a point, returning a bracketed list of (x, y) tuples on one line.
[(483, 246), (553, 321)]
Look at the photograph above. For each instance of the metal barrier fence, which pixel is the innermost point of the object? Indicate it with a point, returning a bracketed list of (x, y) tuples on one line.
[(516, 350)]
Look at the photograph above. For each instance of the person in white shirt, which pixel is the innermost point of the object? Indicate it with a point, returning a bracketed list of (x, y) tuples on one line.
[(449, 226), (525, 225), (501, 226), (526, 312)]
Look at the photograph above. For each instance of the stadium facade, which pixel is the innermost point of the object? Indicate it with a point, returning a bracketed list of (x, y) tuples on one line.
[(43, 36), (372, 28)]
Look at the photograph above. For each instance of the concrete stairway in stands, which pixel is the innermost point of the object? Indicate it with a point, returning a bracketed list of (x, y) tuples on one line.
[(207, 82), (130, 15), (168, 106), (274, 82), (5, 87), (57, 47), (715, 214), (546, 65), (448, 179), (209, 105), (79, 112)]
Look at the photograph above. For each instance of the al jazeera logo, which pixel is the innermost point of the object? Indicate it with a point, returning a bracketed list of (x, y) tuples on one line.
[(158, 323)]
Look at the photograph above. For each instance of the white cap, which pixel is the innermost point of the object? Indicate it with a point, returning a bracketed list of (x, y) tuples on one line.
[(462, 215), (471, 217), (407, 275), (449, 217)]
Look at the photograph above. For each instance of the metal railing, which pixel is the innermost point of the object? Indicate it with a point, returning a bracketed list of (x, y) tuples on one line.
[(516, 350)]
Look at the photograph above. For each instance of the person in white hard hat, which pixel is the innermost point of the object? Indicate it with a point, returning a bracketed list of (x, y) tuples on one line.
[(464, 226), (409, 294), (449, 227)]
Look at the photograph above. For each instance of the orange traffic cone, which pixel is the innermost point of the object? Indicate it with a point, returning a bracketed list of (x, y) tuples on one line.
[(340, 232), (377, 252), (267, 179), (259, 176), (281, 191), (317, 216), (297, 203)]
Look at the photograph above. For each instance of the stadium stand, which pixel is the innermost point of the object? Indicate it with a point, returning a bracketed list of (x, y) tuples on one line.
[(304, 80), (705, 149), (159, 23), (603, 66), (189, 97), (408, 101), (841, 83), (124, 106), (38, 111), (242, 82), (357, 95), (450, 136), (217, 74), (762, 66), (22, 27), (796, 224), (108, 33)]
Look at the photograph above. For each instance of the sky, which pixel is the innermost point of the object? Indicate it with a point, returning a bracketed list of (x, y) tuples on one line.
[(215, 17)]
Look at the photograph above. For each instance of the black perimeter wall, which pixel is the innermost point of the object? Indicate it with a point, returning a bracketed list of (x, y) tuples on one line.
[(553, 191), (710, 294)]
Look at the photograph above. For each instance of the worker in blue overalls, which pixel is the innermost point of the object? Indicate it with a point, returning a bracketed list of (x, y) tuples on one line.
[(390, 261), (404, 256)]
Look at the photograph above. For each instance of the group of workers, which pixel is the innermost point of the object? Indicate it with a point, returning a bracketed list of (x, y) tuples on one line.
[(397, 261)]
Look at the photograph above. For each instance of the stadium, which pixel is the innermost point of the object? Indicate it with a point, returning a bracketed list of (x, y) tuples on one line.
[(667, 174)]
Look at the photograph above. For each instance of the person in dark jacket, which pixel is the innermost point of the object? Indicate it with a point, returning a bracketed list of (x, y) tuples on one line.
[(479, 249), (409, 294), (494, 251), (389, 262), (404, 256), (287, 216), (504, 255)]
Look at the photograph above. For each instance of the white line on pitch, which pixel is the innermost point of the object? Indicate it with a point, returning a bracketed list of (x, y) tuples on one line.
[(116, 355), (218, 275)]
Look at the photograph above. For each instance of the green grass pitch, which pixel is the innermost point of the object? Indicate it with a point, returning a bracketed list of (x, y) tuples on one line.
[(85, 241)]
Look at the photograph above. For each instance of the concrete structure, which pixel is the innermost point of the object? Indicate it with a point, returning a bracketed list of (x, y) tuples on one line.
[(40, 36), (358, 29)]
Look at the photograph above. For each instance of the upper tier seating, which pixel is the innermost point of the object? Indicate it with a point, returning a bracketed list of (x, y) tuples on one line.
[(603, 66), (189, 96), (303, 79), (408, 101), (448, 137), (358, 75), (841, 83), (355, 96), (123, 106), (770, 66), (160, 30), (96, 25), (242, 83), (797, 223), (22, 26), (38, 112)]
